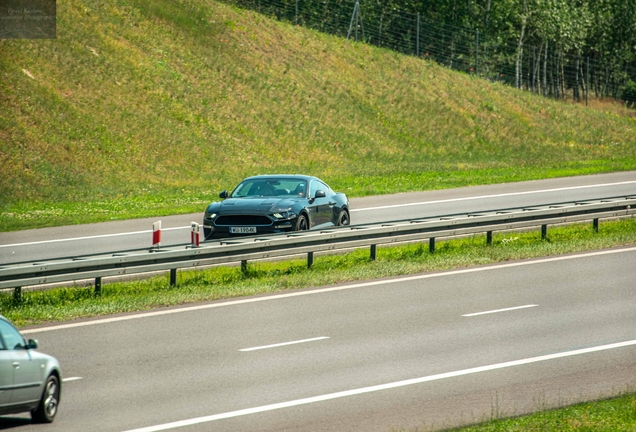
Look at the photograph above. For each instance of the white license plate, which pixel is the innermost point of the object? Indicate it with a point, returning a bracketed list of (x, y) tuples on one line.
[(243, 230)]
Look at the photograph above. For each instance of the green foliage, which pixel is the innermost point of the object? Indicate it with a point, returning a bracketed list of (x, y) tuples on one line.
[(629, 92), (615, 415)]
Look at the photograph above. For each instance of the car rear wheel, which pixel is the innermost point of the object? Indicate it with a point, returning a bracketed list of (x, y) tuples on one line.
[(343, 218), (301, 223), (46, 410)]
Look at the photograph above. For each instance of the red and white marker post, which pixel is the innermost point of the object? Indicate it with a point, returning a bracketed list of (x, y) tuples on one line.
[(156, 234), (195, 235)]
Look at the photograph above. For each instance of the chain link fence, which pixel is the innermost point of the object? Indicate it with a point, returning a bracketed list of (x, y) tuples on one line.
[(544, 70)]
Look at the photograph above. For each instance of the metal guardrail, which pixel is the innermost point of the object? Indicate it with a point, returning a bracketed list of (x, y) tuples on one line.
[(308, 242)]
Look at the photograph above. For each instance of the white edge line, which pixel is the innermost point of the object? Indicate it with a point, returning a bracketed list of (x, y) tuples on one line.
[(499, 310), (91, 237), (322, 290), (493, 196), (375, 388), (351, 210), (71, 379), (284, 344)]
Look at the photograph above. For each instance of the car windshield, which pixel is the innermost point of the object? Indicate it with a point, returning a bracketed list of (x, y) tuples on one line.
[(271, 187), (12, 339)]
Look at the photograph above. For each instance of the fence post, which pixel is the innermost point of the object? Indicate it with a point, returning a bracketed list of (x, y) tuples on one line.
[(534, 66), (576, 88), (374, 252), (98, 286), (545, 71), (310, 259), (477, 52), (354, 17), (431, 245), (417, 42), (587, 82), (595, 224), (544, 232), (489, 238)]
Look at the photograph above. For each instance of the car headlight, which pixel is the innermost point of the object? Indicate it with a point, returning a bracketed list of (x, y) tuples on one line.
[(284, 215), (210, 215)]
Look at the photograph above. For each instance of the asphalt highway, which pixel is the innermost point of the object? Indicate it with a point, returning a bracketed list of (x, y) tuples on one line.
[(436, 349), (116, 236)]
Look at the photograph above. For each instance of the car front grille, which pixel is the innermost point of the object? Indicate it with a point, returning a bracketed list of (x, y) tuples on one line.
[(242, 220)]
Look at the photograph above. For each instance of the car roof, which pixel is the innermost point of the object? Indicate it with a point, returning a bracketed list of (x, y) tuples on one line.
[(283, 176)]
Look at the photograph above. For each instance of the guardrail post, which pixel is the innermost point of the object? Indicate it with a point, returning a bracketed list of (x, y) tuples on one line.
[(156, 236), (595, 224), (489, 238), (98, 286), (17, 295), (310, 259), (173, 277), (64, 270), (195, 235)]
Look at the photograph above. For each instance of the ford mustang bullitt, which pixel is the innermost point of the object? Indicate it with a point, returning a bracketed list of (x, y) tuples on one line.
[(267, 204)]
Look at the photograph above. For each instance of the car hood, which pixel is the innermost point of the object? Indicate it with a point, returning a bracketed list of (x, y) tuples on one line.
[(265, 205)]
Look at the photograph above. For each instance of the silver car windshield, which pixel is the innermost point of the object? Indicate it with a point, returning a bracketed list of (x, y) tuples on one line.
[(271, 187), (11, 337)]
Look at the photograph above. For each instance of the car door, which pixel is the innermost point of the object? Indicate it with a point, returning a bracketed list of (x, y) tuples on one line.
[(320, 207), (26, 369), (6, 375)]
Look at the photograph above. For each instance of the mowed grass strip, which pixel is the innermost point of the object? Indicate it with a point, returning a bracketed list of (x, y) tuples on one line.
[(63, 304), (609, 415), (151, 108)]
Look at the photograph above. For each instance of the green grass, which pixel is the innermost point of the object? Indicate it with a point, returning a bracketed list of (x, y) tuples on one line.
[(151, 108), (62, 304), (610, 415)]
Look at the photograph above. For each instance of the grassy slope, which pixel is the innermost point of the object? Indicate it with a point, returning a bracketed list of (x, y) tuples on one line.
[(147, 108)]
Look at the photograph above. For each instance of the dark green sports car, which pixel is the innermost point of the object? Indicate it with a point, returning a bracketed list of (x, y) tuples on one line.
[(267, 204)]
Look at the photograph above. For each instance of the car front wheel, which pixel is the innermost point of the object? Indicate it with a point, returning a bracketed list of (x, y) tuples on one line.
[(301, 223), (343, 218), (46, 410)]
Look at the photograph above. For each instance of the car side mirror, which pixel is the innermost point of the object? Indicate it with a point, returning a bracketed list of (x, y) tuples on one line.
[(223, 194), (320, 194), (32, 344)]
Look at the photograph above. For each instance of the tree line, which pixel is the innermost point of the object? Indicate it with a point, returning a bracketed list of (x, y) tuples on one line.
[(558, 48)]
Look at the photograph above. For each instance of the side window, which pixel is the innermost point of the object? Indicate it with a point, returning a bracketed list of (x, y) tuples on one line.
[(11, 337), (325, 188), (317, 185), (313, 187)]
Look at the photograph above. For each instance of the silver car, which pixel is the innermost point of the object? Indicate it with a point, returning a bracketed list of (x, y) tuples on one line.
[(29, 380)]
